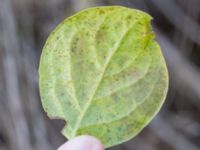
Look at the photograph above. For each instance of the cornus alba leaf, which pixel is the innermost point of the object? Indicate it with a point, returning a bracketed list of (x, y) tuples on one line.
[(103, 73)]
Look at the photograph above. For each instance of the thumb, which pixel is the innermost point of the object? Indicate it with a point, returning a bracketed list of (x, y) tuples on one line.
[(84, 142)]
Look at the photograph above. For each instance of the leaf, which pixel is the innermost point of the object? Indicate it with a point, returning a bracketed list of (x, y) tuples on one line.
[(102, 72)]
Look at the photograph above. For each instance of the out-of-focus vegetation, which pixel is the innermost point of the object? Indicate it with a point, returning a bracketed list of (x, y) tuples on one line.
[(24, 27)]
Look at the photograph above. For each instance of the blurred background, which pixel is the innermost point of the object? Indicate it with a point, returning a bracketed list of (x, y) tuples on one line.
[(26, 24)]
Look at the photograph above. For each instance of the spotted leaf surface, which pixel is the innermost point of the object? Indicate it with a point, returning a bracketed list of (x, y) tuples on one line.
[(103, 73)]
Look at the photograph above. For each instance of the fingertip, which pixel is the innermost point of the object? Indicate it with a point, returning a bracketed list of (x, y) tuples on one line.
[(84, 142)]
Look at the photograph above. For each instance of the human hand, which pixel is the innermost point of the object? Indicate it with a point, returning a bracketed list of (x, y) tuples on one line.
[(84, 142)]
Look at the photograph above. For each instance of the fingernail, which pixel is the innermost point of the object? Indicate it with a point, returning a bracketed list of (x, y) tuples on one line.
[(84, 142)]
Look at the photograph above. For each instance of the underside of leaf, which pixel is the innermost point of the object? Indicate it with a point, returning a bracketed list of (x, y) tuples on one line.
[(103, 73)]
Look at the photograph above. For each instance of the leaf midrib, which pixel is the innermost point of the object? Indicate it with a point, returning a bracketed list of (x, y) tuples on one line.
[(98, 83), (100, 79)]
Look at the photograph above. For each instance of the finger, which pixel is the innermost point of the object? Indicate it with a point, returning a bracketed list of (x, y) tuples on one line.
[(84, 142)]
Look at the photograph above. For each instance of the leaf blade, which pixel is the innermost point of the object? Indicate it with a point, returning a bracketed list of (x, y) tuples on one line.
[(102, 64)]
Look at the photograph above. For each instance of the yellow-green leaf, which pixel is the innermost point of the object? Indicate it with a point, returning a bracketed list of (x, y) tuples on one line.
[(103, 73)]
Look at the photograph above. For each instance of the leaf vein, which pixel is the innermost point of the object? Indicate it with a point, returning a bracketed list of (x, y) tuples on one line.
[(128, 114), (129, 83), (98, 83)]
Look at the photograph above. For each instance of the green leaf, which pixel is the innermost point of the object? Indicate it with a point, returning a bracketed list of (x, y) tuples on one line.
[(102, 72)]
